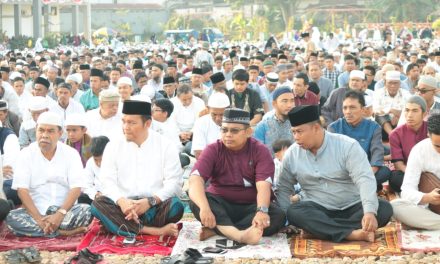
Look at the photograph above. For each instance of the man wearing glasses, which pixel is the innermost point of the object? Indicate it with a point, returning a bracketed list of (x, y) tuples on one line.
[(238, 202)]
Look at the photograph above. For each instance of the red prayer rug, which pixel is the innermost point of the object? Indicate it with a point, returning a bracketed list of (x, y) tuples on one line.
[(98, 240), (386, 244), (9, 241)]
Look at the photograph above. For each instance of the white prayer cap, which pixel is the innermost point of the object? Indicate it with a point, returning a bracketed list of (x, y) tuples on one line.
[(38, 103), (50, 118), (428, 80), (369, 49), (125, 80), (392, 76), (109, 96), (368, 101), (218, 100), (357, 74), (272, 77), (141, 97), (149, 91), (14, 75), (76, 77), (388, 67), (75, 119)]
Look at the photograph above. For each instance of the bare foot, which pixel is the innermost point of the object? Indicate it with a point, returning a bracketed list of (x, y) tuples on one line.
[(360, 235), (206, 233), (168, 230), (73, 232), (251, 236)]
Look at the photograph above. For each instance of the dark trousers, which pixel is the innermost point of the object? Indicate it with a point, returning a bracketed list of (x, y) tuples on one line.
[(10, 193), (5, 207), (240, 215), (396, 180), (382, 175), (331, 224), (84, 199)]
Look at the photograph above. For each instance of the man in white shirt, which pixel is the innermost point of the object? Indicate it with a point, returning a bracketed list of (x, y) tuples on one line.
[(141, 179), (412, 209), (24, 97), (65, 104), (75, 81), (206, 129), (48, 178), (8, 94), (9, 149), (389, 102), (105, 120), (37, 105)]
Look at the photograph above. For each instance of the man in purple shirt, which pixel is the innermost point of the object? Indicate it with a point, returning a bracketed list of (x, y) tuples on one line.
[(238, 203), (302, 94), (405, 137)]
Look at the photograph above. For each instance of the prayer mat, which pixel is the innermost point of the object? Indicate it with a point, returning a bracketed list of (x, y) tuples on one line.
[(268, 248), (99, 240), (9, 241), (386, 244), (417, 240)]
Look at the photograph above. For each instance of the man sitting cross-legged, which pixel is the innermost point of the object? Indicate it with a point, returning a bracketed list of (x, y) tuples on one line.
[(48, 178), (412, 209), (338, 198), (238, 203), (141, 178)]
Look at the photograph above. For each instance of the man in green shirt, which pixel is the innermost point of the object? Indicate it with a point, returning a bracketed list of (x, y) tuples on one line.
[(90, 98)]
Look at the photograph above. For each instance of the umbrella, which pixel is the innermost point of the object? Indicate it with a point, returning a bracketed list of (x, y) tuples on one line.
[(104, 31)]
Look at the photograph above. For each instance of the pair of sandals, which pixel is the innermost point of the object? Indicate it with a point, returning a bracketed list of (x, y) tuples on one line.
[(190, 256), (24, 255), (85, 256)]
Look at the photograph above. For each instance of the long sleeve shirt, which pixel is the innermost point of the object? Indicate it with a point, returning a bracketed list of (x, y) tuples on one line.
[(337, 177), (152, 169), (423, 158)]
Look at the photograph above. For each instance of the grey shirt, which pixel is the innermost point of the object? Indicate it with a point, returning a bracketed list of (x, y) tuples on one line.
[(332, 109), (338, 177), (325, 86)]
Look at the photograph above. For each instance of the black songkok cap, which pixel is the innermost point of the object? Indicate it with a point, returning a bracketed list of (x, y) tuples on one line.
[(5, 69), (12, 59), (254, 67), (3, 105), (236, 115), (305, 34), (172, 64), (197, 71), (168, 80), (84, 67), (181, 56), (217, 77), (133, 107), (303, 114), (43, 81), (437, 53), (97, 73), (43, 59), (137, 65), (157, 65), (244, 59)]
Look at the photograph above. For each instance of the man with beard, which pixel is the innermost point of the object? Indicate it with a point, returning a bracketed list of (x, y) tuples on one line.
[(276, 126), (155, 83)]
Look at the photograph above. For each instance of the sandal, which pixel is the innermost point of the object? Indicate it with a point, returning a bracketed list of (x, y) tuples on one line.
[(85, 256), (31, 254), (15, 257), (190, 256)]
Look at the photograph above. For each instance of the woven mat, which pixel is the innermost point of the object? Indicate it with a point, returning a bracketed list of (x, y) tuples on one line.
[(9, 241), (416, 240), (268, 248), (98, 240), (386, 244)]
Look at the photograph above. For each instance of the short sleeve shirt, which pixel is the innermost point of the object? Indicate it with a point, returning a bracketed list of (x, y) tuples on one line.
[(233, 174)]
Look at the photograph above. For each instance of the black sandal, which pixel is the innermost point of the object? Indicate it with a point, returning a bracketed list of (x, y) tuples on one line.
[(31, 254), (85, 256), (190, 256)]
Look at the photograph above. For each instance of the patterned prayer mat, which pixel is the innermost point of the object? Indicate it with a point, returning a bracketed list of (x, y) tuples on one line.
[(386, 244), (98, 240), (9, 241), (416, 240), (269, 247)]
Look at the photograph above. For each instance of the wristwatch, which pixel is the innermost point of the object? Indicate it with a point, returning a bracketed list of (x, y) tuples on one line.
[(152, 201), (263, 209), (62, 211)]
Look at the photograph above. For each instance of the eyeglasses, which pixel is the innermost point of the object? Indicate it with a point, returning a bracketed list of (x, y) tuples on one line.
[(234, 130), (423, 91)]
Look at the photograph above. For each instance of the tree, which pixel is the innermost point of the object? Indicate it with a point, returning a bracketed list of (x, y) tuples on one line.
[(408, 10)]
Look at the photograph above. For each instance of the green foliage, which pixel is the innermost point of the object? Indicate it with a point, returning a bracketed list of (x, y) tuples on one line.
[(20, 42), (436, 24)]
